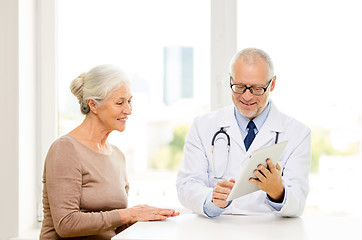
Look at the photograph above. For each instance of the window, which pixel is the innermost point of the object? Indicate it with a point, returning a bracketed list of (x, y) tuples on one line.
[(316, 52), (314, 47), (165, 50)]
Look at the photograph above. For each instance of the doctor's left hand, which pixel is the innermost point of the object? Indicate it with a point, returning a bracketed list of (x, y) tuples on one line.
[(269, 180)]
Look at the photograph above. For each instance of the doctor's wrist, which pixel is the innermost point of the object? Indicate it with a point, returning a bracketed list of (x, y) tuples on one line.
[(228, 204), (278, 197), (222, 206)]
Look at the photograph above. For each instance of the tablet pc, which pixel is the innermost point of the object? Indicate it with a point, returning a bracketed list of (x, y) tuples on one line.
[(242, 185)]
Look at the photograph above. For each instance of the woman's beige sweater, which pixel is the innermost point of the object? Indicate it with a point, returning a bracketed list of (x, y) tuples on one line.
[(82, 190)]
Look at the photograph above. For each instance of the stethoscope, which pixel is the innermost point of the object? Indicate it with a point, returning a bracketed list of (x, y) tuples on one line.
[(222, 131)]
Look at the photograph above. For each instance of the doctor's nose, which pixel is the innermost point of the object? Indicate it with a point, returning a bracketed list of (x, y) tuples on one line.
[(247, 95)]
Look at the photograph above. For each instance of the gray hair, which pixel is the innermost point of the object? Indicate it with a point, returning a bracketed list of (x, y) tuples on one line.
[(250, 55), (97, 84)]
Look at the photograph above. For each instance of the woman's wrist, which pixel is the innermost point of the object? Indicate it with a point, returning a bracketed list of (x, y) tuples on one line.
[(126, 215)]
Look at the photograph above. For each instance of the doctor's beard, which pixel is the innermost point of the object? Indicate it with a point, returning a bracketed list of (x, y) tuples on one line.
[(250, 115), (253, 114)]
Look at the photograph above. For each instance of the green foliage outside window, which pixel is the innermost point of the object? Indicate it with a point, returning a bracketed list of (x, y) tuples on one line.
[(321, 145), (170, 156)]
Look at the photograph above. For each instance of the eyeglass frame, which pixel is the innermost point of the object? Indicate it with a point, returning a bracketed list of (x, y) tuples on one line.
[(250, 88)]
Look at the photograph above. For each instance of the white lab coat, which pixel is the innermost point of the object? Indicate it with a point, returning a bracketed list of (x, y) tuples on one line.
[(195, 179)]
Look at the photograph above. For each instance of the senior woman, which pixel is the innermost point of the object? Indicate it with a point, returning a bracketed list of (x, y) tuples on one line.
[(85, 186)]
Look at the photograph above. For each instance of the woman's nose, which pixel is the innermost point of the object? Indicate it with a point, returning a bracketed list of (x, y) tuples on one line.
[(128, 109)]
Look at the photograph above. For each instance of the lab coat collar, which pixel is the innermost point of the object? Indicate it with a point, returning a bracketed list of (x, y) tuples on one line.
[(275, 120), (266, 135), (230, 125)]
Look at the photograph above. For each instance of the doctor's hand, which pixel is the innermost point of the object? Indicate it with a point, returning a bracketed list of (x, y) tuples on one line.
[(221, 192), (269, 180)]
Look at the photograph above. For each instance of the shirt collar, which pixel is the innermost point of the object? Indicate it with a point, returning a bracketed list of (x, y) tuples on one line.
[(259, 120)]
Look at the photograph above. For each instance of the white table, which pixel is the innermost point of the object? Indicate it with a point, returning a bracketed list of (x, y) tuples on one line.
[(192, 226)]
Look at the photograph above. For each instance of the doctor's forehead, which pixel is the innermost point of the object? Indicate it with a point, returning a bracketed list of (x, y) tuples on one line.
[(250, 72), (250, 62)]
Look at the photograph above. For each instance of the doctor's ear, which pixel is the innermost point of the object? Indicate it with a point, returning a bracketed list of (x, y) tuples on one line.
[(273, 83)]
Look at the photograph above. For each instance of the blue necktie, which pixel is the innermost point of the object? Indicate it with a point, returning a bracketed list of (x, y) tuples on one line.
[(251, 135)]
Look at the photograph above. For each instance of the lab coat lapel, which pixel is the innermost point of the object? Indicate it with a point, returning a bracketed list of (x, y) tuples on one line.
[(267, 133), (264, 137), (231, 126)]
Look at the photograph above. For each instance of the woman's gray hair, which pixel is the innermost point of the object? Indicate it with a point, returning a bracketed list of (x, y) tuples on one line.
[(250, 55), (97, 84)]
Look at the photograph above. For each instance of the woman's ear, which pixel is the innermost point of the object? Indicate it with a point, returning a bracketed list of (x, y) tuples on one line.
[(92, 105)]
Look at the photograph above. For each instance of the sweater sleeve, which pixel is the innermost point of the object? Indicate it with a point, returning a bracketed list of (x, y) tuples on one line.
[(63, 176)]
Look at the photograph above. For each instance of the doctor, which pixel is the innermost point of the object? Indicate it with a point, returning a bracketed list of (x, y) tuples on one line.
[(205, 177)]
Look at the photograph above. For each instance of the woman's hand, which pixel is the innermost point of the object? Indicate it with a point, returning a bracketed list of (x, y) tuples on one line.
[(145, 213)]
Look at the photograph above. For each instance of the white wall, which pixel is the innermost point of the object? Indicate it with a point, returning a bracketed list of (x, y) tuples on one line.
[(9, 124)]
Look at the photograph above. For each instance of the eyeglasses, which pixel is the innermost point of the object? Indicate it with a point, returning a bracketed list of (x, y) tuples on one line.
[(239, 88)]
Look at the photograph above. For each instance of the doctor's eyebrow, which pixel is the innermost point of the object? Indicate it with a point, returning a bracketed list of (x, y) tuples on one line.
[(248, 85)]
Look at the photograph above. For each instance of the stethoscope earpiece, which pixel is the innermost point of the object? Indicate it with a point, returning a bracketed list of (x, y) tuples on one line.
[(218, 132), (221, 131)]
